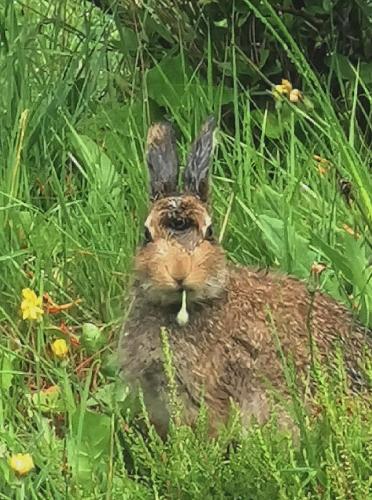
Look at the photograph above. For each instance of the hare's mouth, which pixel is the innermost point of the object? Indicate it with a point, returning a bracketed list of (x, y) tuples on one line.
[(168, 296)]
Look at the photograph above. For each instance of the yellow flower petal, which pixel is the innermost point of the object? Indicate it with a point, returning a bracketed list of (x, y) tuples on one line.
[(322, 170), (284, 88), (280, 89), (295, 95), (21, 463), (29, 294), (31, 305), (287, 86), (60, 348), (33, 314)]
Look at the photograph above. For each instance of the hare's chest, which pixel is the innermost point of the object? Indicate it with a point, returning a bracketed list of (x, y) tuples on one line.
[(196, 351)]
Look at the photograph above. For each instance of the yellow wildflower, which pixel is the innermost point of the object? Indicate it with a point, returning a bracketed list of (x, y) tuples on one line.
[(284, 88), (21, 463), (320, 159), (51, 391), (295, 95), (279, 90), (286, 84), (322, 170), (60, 348), (31, 305), (323, 164)]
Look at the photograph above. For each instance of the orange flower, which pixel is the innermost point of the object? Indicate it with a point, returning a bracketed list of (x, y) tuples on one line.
[(48, 400), (52, 308), (65, 330), (50, 391)]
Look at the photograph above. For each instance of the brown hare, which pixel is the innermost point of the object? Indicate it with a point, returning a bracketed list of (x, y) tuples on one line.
[(219, 317)]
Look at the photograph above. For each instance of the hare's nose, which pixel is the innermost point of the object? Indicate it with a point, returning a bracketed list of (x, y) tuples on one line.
[(179, 281), (179, 270), (179, 276)]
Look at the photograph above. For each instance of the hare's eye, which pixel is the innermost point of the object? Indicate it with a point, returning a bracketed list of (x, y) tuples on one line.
[(209, 233), (147, 236)]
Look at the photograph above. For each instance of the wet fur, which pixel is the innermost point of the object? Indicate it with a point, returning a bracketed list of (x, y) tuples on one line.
[(227, 350)]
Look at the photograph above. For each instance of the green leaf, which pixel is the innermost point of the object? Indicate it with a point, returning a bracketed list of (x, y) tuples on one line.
[(221, 24), (49, 400), (6, 370), (327, 6), (128, 40), (273, 234), (88, 445), (45, 237), (272, 125), (264, 55), (100, 171), (366, 73), (342, 66), (92, 339), (109, 395), (222, 95), (167, 82), (151, 27), (355, 252), (110, 365), (333, 255), (24, 220)]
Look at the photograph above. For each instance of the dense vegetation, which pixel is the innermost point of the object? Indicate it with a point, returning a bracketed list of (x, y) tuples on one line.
[(291, 188)]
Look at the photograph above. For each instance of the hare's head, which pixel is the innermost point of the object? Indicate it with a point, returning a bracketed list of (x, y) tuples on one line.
[(179, 252)]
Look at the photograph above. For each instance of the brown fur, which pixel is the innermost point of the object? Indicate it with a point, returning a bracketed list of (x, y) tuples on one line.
[(157, 135), (227, 348), (227, 351)]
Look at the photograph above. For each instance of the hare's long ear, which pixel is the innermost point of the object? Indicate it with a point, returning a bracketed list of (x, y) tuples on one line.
[(197, 168), (162, 160)]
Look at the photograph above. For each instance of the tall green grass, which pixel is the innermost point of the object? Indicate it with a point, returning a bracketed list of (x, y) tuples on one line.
[(75, 106)]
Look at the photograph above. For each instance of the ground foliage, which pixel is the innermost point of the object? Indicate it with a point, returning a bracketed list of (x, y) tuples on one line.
[(291, 188)]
